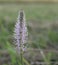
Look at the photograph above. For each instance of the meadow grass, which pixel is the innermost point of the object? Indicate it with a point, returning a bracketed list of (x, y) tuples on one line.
[(40, 33), (33, 11)]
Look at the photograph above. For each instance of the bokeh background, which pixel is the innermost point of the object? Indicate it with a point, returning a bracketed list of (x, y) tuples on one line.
[(42, 24)]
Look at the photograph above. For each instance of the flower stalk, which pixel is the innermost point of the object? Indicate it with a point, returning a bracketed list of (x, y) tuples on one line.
[(20, 34)]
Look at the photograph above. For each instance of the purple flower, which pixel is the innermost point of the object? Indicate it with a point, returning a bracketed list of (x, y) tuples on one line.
[(20, 32)]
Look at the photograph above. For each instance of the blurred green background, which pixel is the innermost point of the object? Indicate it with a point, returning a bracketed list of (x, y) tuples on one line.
[(42, 24)]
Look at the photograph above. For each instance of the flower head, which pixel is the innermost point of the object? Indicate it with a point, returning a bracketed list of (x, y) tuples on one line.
[(20, 31)]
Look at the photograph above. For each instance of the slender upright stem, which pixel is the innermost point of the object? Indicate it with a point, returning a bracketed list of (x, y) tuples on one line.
[(20, 34), (21, 50)]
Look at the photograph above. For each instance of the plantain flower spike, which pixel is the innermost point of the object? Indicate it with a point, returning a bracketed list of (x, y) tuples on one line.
[(20, 32)]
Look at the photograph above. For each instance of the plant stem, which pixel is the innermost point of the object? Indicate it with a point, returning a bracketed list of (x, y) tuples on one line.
[(21, 57), (21, 45)]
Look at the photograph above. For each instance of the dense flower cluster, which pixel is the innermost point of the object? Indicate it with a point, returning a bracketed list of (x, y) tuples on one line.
[(20, 31)]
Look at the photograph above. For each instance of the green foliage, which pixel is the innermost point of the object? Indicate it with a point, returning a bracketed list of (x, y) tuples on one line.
[(42, 42), (34, 12), (12, 53), (15, 57), (53, 36)]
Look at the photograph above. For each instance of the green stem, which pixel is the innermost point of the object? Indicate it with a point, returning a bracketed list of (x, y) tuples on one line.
[(21, 57)]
